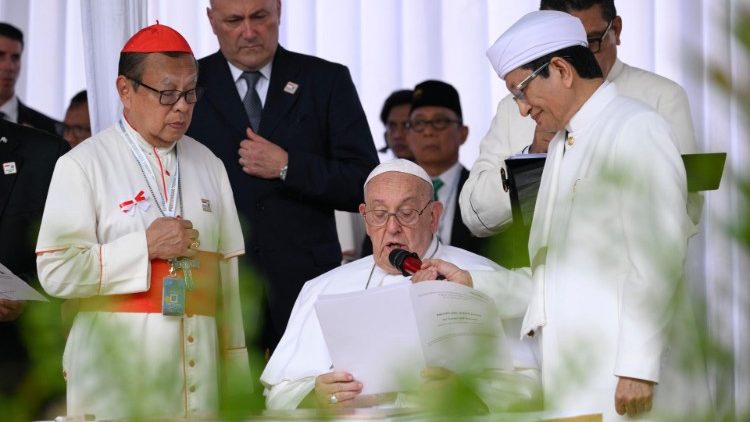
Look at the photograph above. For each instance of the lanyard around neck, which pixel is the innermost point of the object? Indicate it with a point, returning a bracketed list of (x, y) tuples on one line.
[(168, 205)]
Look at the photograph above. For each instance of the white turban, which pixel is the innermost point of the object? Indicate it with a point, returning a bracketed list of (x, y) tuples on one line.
[(400, 165), (533, 36)]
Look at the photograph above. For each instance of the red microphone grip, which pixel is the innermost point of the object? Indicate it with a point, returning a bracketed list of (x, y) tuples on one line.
[(412, 264)]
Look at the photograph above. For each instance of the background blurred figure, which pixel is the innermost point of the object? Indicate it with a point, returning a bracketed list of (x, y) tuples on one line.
[(395, 115), (28, 156), (11, 108), (76, 126)]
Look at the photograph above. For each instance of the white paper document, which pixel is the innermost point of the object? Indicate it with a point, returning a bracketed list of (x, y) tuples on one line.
[(384, 337), (13, 288)]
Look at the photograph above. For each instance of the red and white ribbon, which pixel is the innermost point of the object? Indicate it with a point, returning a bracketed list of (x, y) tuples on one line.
[(140, 199)]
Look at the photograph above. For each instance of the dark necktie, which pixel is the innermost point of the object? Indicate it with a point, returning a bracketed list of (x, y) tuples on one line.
[(253, 106), (436, 185)]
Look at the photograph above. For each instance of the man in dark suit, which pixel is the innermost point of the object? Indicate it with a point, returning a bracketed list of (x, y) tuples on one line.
[(28, 157), (295, 141), (436, 132), (11, 108)]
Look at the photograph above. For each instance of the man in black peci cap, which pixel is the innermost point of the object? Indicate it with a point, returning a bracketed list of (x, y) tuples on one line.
[(435, 133)]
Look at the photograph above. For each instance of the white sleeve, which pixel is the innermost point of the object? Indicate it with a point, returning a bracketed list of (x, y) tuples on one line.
[(656, 227), (510, 289), (71, 261), (288, 394), (485, 206)]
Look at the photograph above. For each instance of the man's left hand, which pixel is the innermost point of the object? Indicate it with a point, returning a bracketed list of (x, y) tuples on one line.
[(261, 158), (633, 396), (431, 268), (11, 309)]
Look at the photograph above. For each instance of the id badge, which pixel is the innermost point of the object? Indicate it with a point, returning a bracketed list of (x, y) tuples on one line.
[(173, 296)]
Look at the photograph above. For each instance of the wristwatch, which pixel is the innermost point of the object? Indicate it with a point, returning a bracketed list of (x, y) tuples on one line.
[(282, 173)]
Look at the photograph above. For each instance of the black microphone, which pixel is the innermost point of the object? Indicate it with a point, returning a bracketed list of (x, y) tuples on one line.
[(407, 262)]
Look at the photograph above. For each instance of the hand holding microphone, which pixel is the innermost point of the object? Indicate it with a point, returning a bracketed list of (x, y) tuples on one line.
[(432, 269), (408, 263)]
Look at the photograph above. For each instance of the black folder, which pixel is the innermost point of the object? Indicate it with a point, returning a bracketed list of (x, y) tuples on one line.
[(524, 173)]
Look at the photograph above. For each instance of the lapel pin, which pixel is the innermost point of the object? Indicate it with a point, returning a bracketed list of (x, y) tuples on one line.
[(10, 168), (291, 87), (206, 205), (571, 140), (3, 140)]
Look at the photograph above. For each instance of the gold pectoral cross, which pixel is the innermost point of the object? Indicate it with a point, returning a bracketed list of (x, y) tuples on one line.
[(186, 265)]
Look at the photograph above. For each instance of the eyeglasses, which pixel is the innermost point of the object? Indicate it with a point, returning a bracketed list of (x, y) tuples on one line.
[(441, 123), (404, 216), (517, 90), (75, 130), (392, 126), (171, 96), (595, 43)]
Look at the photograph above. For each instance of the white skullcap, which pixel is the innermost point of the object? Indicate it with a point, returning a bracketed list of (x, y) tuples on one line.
[(399, 165), (533, 36)]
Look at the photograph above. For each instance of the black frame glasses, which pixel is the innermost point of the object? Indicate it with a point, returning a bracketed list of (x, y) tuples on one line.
[(172, 96), (438, 124), (597, 41), (381, 216), (517, 90)]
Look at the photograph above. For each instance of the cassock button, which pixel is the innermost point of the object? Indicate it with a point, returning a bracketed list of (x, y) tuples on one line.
[(191, 363), (190, 339)]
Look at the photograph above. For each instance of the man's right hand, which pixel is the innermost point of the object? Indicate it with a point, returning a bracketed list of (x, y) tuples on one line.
[(431, 268), (339, 384), (169, 237), (541, 140), (11, 309)]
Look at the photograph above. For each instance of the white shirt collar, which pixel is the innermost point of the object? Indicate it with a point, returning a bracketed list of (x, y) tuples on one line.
[(145, 146), (265, 71), (449, 176), (616, 70), (10, 108), (589, 112)]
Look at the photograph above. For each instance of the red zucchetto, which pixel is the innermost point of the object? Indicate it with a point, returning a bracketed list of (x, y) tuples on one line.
[(157, 38)]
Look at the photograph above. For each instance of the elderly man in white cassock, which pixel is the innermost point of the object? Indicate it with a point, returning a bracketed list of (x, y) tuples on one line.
[(141, 234), (610, 226), (399, 213)]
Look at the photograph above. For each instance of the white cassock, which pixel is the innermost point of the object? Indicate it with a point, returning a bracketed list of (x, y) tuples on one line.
[(485, 207), (302, 353), (117, 363), (608, 243)]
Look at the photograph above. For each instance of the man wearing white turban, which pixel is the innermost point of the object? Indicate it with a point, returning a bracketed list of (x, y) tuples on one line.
[(610, 227), (485, 207)]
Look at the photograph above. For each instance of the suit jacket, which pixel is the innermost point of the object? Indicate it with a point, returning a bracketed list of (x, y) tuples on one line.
[(312, 111), (22, 197), (461, 237), (30, 117)]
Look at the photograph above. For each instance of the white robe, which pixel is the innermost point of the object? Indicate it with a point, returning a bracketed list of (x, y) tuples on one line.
[(117, 363), (302, 353), (608, 244), (485, 207)]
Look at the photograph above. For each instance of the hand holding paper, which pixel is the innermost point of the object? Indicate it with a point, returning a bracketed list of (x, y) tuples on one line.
[(12, 288)]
